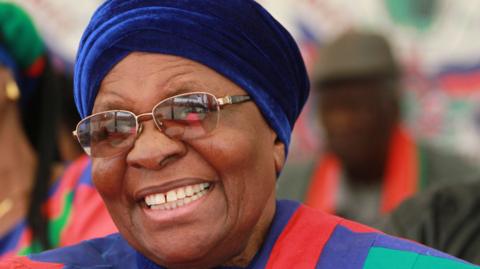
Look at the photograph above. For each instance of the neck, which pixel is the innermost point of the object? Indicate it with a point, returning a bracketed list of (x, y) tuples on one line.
[(258, 236), (18, 160)]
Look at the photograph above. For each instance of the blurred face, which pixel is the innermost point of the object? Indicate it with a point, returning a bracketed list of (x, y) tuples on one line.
[(358, 118), (232, 170)]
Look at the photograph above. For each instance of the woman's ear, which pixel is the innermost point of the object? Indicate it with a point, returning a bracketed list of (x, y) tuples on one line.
[(278, 155), (8, 86), (11, 90)]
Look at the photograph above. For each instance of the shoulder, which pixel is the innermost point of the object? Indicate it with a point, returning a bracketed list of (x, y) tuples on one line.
[(354, 244), (110, 251), (340, 243), (388, 251)]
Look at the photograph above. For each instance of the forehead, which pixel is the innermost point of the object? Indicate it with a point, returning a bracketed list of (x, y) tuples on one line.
[(149, 78)]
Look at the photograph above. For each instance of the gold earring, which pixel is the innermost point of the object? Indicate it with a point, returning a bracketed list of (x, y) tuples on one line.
[(12, 91)]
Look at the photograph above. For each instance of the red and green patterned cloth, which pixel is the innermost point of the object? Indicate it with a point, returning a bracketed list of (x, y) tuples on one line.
[(299, 237), (75, 211)]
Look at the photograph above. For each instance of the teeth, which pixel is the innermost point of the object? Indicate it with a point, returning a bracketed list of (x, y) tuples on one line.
[(161, 207), (155, 199), (176, 198), (159, 199), (148, 200), (171, 196), (189, 191), (196, 188), (180, 193)]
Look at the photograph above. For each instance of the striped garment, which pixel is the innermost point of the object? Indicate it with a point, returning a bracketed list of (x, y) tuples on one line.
[(75, 212), (299, 237)]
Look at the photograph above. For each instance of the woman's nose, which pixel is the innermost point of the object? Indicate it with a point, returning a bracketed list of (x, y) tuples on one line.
[(152, 149)]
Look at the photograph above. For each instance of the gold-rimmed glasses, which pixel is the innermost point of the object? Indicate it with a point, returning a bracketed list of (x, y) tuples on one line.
[(184, 116)]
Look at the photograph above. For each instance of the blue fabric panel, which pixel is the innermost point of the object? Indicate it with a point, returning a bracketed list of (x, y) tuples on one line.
[(346, 249)]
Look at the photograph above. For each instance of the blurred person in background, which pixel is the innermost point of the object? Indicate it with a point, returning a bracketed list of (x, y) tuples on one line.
[(445, 217), (43, 202), (371, 162)]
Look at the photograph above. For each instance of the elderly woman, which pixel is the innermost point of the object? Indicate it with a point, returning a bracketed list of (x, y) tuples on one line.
[(187, 110)]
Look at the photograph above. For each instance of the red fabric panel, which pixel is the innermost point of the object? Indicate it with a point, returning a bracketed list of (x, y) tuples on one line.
[(25, 263), (90, 218), (296, 247)]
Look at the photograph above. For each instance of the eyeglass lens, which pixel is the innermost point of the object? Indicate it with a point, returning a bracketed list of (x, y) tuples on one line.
[(186, 116)]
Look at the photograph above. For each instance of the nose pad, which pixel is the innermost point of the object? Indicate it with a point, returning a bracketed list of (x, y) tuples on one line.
[(140, 129), (158, 124)]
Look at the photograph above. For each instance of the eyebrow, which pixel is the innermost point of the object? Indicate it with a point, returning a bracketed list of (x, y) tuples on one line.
[(175, 88)]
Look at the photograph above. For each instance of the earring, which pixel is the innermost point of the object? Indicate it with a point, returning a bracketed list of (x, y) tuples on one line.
[(12, 91)]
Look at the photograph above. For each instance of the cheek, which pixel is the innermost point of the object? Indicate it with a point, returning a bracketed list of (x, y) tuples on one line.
[(108, 176), (244, 162)]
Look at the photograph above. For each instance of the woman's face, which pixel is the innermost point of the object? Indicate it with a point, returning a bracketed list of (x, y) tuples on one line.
[(239, 160)]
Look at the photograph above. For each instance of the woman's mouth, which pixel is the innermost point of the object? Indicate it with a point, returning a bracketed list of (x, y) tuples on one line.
[(177, 197)]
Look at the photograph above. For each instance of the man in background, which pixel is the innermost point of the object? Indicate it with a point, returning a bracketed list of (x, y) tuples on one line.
[(371, 162)]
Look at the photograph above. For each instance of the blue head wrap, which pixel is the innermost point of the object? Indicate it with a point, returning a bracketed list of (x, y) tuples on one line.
[(236, 38)]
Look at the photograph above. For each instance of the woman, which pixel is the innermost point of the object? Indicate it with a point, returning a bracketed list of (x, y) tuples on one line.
[(38, 211), (187, 109)]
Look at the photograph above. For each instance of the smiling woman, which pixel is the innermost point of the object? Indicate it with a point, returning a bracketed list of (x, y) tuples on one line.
[(187, 111), (175, 189)]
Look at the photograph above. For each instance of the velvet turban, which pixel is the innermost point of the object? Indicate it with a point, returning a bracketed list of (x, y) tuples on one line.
[(236, 38)]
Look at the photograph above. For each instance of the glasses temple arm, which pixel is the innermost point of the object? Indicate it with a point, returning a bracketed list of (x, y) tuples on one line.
[(235, 99)]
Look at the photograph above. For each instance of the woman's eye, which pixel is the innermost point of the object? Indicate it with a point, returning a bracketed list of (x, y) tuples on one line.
[(100, 134), (191, 113)]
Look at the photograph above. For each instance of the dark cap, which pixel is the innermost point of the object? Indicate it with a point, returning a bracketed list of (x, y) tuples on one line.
[(355, 55)]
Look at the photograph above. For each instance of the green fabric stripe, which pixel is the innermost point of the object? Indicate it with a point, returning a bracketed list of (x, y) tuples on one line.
[(56, 226), (379, 258), (383, 258), (35, 247), (19, 36)]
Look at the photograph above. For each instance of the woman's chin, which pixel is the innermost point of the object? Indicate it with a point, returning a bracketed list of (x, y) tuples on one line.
[(183, 256)]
